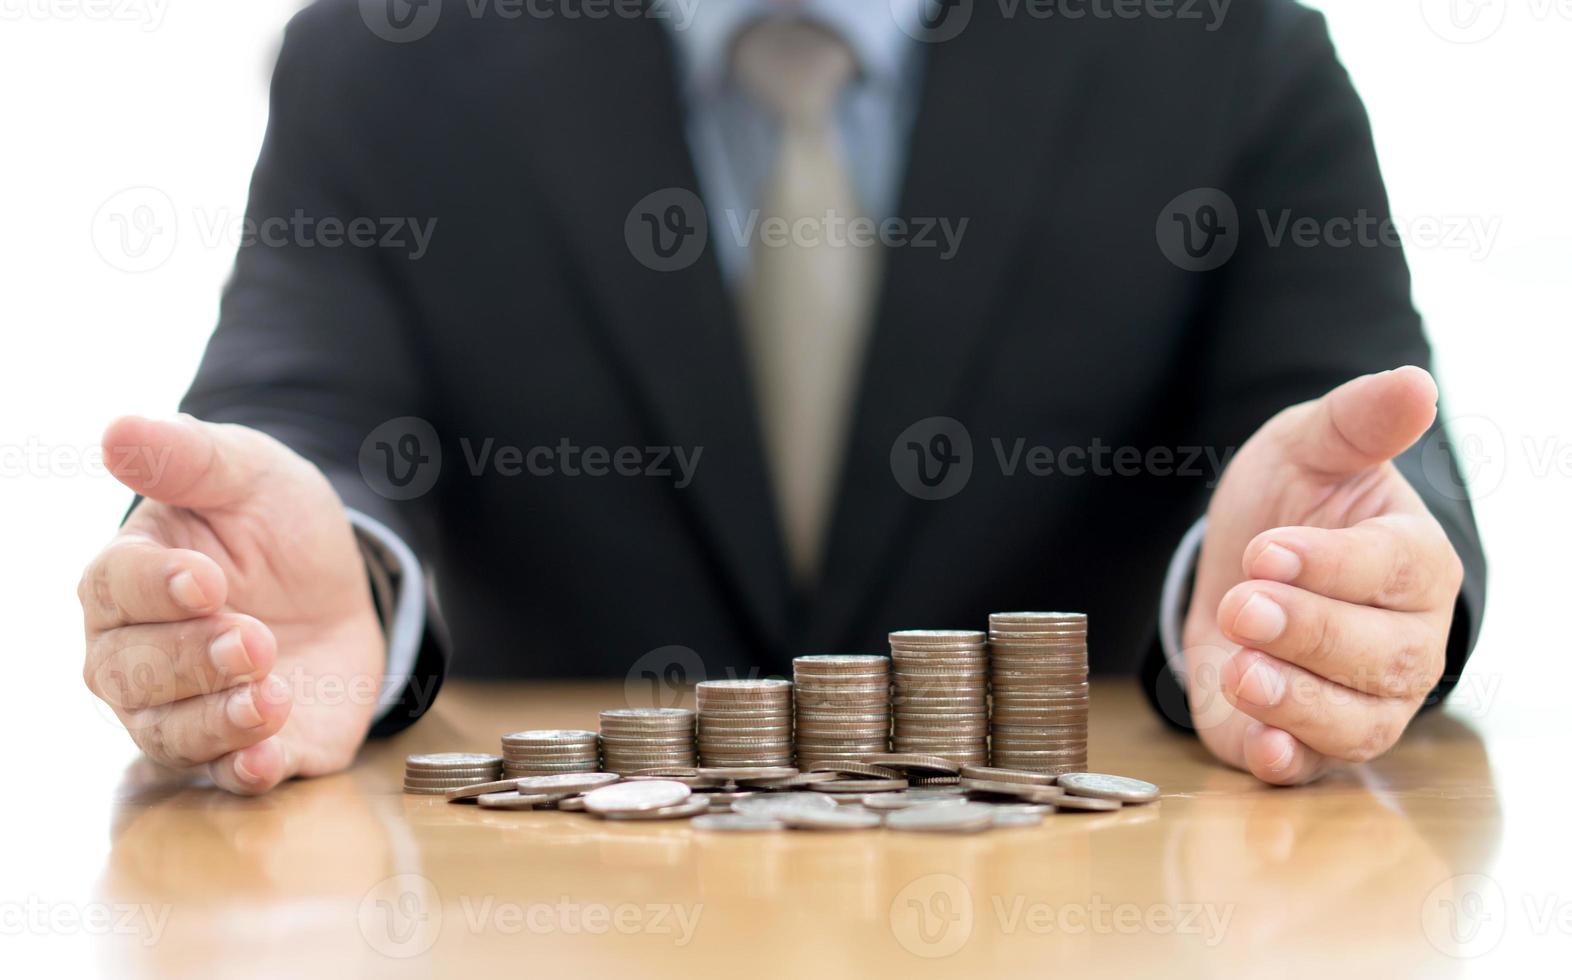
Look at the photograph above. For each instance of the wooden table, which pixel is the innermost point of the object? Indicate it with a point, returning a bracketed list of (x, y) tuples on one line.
[(1396, 868)]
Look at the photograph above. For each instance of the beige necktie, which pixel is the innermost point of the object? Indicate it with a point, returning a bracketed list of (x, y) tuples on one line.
[(807, 303)]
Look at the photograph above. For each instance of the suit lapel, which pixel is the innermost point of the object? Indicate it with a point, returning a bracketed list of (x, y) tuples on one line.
[(603, 125), (980, 151)]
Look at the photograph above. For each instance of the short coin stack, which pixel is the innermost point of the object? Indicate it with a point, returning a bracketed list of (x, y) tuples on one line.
[(843, 708), (1041, 700), (941, 694), (744, 723), (647, 738), (434, 775), (546, 752)]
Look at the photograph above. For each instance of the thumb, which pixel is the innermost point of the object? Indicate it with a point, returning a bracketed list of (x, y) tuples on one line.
[(182, 461), (1363, 423)]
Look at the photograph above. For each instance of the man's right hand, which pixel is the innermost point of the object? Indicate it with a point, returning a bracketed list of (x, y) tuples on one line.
[(230, 622)]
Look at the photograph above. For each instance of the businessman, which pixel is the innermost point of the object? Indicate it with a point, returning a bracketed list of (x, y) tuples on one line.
[(763, 328)]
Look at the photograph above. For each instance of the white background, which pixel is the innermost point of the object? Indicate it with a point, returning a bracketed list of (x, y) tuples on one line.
[(175, 99)]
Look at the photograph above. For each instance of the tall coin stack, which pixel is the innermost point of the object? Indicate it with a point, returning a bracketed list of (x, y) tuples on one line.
[(941, 694), (1041, 700), (647, 738), (744, 723), (843, 708), (549, 751)]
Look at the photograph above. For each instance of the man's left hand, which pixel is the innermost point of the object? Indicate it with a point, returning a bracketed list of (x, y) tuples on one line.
[(1325, 588)]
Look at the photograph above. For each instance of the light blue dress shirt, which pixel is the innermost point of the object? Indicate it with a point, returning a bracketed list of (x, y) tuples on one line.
[(733, 140)]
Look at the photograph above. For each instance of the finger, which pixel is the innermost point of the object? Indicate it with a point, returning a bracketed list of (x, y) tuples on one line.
[(137, 580), (1366, 421), (252, 770), (1331, 719), (1400, 561), (200, 729), (139, 666), (182, 461), (1377, 651), (1274, 756)]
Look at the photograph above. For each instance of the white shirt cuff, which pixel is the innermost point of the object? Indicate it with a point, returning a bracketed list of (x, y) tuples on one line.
[(1176, 598), (407, 621)]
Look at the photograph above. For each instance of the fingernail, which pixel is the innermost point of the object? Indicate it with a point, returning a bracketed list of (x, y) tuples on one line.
[(1278, 564), (240, 770), (242, 709), (1257, 731), (183, 588), (1262, 684), (1261, 620), (228, 654)]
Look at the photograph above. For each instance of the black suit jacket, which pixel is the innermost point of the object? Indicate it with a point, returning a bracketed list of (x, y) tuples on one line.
[(1059, 321)]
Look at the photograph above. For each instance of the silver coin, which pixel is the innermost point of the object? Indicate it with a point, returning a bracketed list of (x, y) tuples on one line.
[(963, 818), (736, 822), (904, 801), (677, 811), (512, 801), (1023, 815), (773, 804), (573, 804), (840, 819), (1092, 803), (567, 782), (747, 772), (1104, 786), (480, 789), (449, 760), (634, 795)]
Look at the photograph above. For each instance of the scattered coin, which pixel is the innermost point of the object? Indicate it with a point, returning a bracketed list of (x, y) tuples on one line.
[(512, 800), (861, 769), (473, 790), (1025, 815), (1006, 775), (567, 782), (917, 765), (676, 811), (573, 804), (1068, 802), (750, 773), (1103, 786), (772, 804), (859, 786), (633, 795)]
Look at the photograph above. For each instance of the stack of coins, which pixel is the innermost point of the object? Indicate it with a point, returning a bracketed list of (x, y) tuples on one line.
[(941, 694), (549, 751), (647, 738), (434, 775), (1041, 700), (843, 708), (744, 724)]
